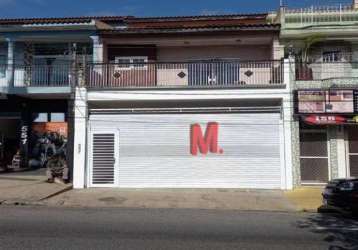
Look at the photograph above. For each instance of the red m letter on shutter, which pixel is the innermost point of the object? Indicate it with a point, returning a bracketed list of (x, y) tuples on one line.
[(207, 143)]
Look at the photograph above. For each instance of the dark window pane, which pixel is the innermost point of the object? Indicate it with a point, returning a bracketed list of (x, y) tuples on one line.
[(313, 144), (353, 162), (314, 170)]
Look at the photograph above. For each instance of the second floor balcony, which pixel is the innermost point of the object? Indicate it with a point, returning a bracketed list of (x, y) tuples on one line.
[(18, 78), (199, 74), (319, 16)]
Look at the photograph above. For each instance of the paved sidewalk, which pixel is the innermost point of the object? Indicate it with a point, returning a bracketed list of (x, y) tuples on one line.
[(306, 198), (27, 188), (223, 199)]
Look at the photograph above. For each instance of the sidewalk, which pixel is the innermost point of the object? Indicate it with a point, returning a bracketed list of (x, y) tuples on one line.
[(27, 188), (306, 199), (223, 199)]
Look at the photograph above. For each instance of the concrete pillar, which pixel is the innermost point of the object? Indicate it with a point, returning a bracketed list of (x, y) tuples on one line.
[(341, 153), (355, 59), (287, 117), (278, 50), (80, 138), (10, 62), (98, 50)]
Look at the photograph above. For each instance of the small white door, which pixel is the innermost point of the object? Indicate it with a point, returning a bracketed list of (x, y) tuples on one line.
[(104, 158)]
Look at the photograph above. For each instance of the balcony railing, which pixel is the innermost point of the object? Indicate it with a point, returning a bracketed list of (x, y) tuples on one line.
[(321, 15), (326, 70), (185, 75), (60, 75)]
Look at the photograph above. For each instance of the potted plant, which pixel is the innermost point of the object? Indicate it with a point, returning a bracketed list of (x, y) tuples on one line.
[(303, 71)]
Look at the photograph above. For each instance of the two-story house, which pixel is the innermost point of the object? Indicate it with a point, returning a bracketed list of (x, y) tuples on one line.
[(324, 43), (185, 102), (40, 62)]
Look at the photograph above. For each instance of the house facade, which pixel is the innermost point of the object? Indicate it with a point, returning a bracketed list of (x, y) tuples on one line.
[(170, 102), (185, 102), (323, 43)]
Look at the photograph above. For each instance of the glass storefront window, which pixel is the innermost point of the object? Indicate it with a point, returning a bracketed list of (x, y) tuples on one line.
[(57, 117), (40, 117)]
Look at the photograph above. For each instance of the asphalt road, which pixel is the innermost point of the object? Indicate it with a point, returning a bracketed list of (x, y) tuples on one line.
[(77, 228)]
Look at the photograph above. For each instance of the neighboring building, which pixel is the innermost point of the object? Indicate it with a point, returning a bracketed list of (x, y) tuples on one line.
[(324, 42), (37, 79), (185, 102)]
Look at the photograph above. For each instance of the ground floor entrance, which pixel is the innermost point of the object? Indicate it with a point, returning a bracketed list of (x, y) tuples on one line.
[(33, 133), (352, 151), (217, 148), (9, 138), (314, 156), (328, 152)]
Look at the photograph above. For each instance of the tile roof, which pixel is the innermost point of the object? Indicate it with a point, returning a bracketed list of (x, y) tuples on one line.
[(62, 20)]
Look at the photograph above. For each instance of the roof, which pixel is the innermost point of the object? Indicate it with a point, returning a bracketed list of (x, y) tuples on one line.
[(168, 24), (208, 28), (61, 20), (130, 19)]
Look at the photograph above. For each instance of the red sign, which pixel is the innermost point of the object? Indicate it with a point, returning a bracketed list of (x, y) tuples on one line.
[(206, 143), (325, 119)]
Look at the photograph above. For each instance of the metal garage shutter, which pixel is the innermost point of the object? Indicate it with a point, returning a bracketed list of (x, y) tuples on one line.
[(156, 150), (103, 159)]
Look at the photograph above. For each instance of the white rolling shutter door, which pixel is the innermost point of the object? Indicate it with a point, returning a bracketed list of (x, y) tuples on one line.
[(155, 150)]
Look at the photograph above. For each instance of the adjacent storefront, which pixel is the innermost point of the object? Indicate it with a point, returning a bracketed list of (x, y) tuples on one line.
[(328, 134), (31, 131)]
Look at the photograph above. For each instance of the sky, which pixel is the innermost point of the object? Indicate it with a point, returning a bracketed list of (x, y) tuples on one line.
[(62, 8)]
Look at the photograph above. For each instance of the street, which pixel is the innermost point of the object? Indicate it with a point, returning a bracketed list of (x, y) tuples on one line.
[(80, 228)]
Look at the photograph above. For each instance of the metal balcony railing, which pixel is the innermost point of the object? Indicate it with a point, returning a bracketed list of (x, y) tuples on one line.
[(326, 70), (59, 75), (225, 73), (320, 15)]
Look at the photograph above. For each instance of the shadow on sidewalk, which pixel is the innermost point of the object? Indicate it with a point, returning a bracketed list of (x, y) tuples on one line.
[(340, 232)]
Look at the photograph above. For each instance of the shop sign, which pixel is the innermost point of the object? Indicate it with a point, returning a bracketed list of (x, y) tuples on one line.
[(331, 101), (205, 143), (325, 120)]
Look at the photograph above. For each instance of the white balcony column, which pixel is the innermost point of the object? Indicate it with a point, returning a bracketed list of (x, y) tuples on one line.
[(98, 54), (80, 138), (354, 58), (278, 50), (287, 117), (341, 153), (355, 4), (10, 62), (98, 49)]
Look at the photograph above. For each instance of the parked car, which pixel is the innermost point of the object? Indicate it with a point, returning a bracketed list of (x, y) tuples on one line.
[(342, 194)]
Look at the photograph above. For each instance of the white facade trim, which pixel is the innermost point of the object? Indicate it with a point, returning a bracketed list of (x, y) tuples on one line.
[(80, 147), (342, 154), (167, 95)]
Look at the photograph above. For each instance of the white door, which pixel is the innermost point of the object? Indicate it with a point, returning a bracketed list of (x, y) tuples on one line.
[(104, 158), (223, 150)]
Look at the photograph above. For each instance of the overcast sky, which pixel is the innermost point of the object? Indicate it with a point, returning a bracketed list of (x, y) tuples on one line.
[(58, 8)]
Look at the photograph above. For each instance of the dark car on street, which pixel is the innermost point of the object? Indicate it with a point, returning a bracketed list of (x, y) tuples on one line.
[(342, 194)]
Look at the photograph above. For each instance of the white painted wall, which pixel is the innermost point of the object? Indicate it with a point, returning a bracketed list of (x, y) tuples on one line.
[(80, 130)]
